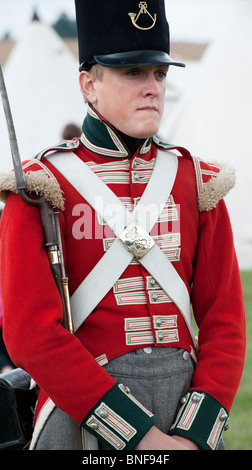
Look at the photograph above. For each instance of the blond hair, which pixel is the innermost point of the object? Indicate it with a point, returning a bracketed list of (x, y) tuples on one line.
[(96, 72)]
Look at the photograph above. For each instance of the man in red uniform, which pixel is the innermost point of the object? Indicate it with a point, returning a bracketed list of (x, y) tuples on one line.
[(145, 235)]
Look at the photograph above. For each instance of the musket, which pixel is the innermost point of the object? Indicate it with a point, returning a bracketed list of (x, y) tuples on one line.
[(49, 218)]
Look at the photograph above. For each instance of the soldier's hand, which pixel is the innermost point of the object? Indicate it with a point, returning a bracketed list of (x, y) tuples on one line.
[(155, 439)]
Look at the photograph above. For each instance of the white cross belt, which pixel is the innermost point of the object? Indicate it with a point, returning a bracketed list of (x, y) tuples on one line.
[(132, 232)]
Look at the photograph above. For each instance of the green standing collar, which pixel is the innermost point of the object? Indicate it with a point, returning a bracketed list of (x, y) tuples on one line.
[(100, 137)]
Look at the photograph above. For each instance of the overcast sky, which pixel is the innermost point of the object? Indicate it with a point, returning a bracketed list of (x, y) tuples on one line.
[(14, 14)]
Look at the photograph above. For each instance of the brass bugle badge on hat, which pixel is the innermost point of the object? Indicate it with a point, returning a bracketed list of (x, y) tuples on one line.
[(143, 10)]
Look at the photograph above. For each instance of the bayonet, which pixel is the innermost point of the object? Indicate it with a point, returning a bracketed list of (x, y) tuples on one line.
[(19, 174)]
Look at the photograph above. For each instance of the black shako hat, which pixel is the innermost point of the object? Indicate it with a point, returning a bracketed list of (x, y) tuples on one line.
[(123, 33)]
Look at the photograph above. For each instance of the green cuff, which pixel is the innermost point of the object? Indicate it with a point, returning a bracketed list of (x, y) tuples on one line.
[(201, 419), (118, 420)]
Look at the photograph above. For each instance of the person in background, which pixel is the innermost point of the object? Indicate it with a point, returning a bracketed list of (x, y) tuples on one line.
[(70, 131)]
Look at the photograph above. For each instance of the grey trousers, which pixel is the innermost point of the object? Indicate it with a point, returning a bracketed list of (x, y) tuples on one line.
[(157, 377)]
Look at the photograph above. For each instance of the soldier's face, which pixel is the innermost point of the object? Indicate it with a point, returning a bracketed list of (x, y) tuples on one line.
[(131, 99)]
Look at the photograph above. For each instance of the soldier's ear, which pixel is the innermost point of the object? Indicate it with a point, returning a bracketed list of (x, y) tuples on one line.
[(87, 85)]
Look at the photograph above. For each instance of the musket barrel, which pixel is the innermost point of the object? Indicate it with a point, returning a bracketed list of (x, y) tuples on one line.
[(49, 218), (69, 319)]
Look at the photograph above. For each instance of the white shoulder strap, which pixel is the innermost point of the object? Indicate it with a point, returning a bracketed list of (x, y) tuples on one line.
[(117, 258)]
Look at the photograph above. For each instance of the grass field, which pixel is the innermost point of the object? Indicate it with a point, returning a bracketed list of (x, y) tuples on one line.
[(239, 435)]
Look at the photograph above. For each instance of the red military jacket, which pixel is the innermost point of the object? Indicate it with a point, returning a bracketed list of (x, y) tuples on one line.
[(195, 234)]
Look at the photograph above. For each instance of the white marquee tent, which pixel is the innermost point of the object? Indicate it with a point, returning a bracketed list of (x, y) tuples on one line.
[(211, 115), (41, 78)]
